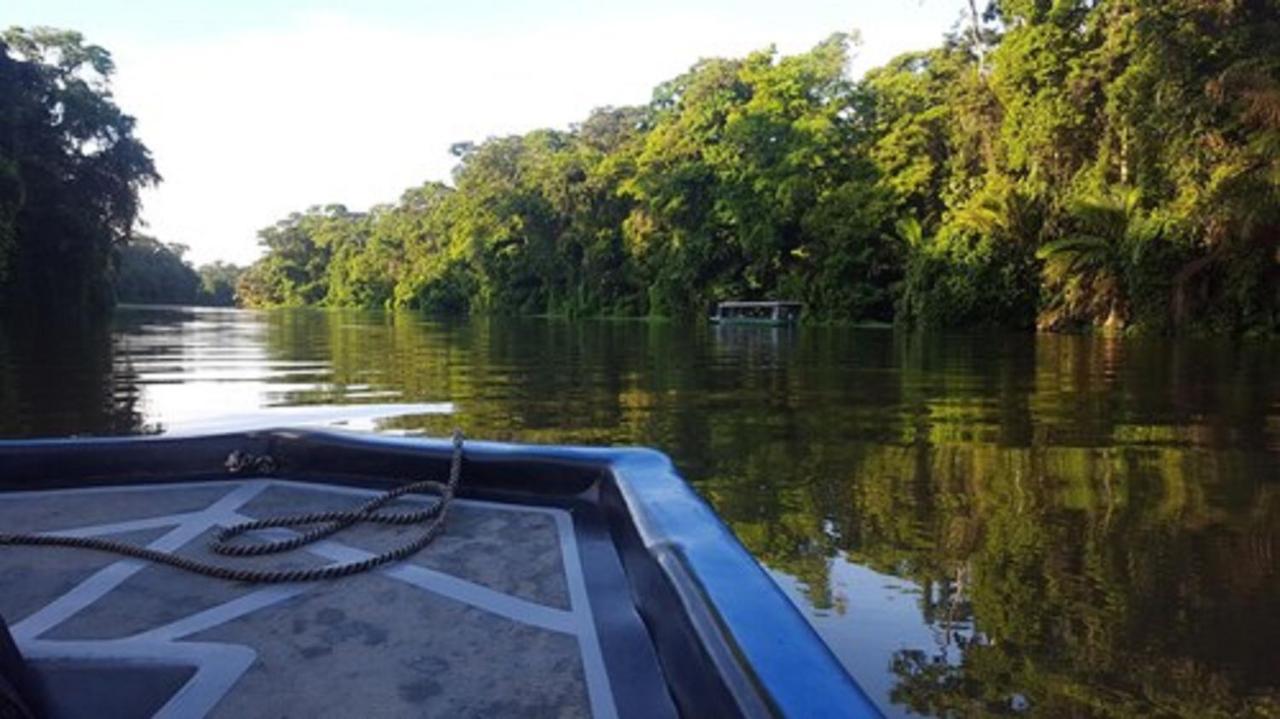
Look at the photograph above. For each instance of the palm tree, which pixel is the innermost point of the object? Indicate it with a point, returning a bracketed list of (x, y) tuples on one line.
[(1084, 271)]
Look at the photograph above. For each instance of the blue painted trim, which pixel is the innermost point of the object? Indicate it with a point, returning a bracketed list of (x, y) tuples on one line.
[(792, 664)]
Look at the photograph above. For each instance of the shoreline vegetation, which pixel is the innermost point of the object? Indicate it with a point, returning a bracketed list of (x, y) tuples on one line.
[(1109, 166), (150, 272)]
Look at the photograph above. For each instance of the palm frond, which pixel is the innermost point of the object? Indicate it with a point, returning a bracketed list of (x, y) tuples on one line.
[(1078, 243), (910, 231)]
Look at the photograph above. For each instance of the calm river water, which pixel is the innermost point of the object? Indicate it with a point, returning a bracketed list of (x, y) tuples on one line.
[(976, 524)]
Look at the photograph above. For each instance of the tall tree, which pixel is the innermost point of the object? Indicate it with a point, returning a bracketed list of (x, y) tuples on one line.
[(70, 172), (151, 272)]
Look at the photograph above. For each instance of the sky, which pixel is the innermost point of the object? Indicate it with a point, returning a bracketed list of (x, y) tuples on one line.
[(254, 109)]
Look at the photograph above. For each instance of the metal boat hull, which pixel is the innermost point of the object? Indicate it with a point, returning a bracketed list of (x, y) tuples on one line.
[(573, 581)]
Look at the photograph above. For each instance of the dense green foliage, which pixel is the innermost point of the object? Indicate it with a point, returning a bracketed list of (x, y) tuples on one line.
[(218, 282), (70, 171), (1070, 163), (151, 272)]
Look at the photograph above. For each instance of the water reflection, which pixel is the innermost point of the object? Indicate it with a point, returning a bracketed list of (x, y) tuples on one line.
[(57, 379), (977, 524)]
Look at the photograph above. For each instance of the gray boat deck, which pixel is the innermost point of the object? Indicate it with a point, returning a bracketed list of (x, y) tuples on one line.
[(493, 619)]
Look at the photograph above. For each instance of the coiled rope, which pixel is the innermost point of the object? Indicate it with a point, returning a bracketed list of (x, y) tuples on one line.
[(328, 523)]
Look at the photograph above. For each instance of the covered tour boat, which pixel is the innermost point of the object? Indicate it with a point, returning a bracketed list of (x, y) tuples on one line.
[(143, 577), (764, 312)]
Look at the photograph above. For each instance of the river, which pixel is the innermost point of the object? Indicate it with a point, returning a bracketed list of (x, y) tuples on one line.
[(981, 523)]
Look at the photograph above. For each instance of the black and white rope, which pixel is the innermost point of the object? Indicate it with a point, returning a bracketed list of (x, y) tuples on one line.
[(329, 523)]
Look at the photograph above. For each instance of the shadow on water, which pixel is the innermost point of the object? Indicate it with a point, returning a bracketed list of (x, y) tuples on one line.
[(57, 378), (976, 523)]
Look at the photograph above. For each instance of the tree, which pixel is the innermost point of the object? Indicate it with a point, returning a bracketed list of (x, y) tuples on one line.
[(296, 268), (754, 180), (773, 176), (218, 282), (70, 172), (150, 272)]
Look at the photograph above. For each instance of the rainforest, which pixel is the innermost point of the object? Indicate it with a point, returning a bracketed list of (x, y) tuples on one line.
[(1108, 165)]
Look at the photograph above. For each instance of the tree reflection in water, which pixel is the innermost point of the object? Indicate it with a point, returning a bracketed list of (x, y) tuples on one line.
[(59, 377), (1085, 526)]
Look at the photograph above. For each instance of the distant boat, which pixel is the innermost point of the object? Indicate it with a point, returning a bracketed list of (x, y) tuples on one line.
[(562, 581), (765, 312)]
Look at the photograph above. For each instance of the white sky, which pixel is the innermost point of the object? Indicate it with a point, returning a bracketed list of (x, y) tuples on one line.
[(253, 111)]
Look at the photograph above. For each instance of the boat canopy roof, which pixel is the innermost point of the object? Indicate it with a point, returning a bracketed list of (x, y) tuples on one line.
[(759, 303)]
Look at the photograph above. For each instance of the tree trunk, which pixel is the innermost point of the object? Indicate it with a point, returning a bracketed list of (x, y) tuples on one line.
[(976, 20), (1180, 282)]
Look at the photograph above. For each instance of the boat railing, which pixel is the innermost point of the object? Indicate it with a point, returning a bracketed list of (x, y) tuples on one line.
[(778, 311)]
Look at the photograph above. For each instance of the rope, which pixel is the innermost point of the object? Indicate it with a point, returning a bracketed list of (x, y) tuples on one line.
[(329, 523)]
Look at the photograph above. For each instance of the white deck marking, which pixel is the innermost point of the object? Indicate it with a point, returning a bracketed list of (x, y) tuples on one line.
[(598, 688), (219, 666), (225, 612), (133, 525), (447, 585), (108, 578)]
